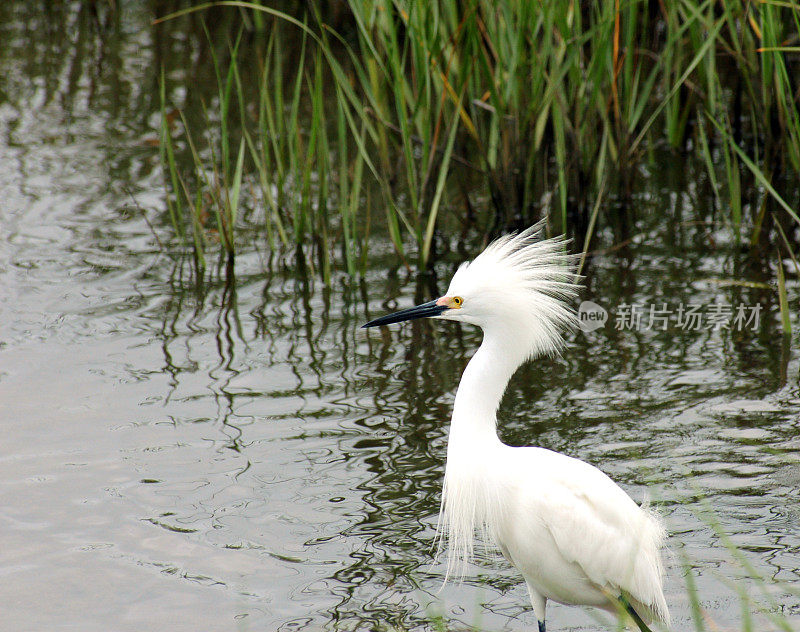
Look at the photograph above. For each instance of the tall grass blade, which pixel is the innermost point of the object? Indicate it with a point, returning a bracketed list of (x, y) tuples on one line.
[(783, 299)]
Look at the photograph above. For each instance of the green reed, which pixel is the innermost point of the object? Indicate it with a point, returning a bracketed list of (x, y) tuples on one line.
[(522, 99)]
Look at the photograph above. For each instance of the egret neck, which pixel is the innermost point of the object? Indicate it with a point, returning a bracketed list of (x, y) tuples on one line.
[(481, 388)]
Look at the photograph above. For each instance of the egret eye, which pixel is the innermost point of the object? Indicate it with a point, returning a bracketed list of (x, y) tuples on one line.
[(458, 301)]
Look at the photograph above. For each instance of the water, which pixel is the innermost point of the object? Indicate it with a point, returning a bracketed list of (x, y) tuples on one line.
[(240, 455)]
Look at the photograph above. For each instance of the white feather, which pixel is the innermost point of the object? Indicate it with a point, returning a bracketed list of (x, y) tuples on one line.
[(575, 536)]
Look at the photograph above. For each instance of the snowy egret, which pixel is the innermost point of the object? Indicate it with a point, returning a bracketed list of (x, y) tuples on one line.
[(574, 535)]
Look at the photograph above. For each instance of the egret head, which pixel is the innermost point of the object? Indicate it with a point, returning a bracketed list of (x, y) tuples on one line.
[(516, 290)]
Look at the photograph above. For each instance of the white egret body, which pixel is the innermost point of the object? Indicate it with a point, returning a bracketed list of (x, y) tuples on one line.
[(573, 534)]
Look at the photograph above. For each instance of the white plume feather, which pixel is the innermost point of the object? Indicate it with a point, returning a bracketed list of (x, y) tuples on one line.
[(522, 282)]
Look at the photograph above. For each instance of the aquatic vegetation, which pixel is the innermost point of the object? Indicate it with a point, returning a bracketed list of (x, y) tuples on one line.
[(404, 114)]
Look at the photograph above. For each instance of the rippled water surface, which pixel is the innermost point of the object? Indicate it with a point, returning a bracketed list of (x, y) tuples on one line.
[(239, 454)]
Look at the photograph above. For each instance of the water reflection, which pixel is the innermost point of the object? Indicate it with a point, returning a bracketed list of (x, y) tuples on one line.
[(342, 435)]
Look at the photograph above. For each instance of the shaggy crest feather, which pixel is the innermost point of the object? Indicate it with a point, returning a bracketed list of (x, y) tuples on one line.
[(523, 281)]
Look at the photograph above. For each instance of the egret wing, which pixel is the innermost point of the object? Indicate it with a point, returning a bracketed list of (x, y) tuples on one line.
[(597, 526)]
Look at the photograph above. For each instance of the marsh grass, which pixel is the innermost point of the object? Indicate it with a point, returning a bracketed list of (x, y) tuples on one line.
[(542, 107), (756, 592)]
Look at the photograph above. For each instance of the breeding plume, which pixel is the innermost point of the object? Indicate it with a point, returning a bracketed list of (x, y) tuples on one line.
[(572, 533)]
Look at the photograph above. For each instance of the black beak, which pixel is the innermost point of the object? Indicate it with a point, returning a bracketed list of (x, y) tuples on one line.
[(426, 310)]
